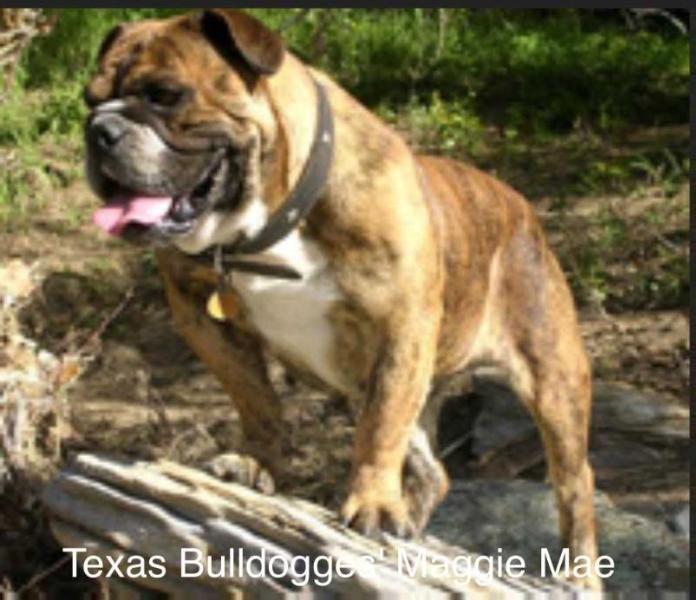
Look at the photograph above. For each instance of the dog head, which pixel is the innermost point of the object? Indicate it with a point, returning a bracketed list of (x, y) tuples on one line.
[(179, 126)]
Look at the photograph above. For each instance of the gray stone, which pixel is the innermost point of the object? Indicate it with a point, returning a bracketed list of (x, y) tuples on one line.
[(680, 522), (615, 407), (503, 418), (520, 517)]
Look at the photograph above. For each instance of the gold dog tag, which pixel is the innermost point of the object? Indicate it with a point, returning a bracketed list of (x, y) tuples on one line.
[(222, 305), (214, 307)]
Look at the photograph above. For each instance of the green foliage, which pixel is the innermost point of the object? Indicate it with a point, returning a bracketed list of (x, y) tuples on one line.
[(53, 117), (662, 283), (564, 71), (26, 115), (521, 68), (19, 182), (67, 53), (526, 70), (437, 126), (625, 173), (622, 261)]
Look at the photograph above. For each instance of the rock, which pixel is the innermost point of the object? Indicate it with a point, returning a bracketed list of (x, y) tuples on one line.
[(520, 517), (638, 442), (680, 522), (503, 419), (628, 409)]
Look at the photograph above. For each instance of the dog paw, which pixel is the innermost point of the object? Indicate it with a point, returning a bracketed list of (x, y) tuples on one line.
[(372, 514), (242, 469)]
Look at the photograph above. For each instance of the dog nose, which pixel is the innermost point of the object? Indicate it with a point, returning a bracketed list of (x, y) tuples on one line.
[(107, 130)]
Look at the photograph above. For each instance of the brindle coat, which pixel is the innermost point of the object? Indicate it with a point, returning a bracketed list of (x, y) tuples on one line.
[(441, 268)]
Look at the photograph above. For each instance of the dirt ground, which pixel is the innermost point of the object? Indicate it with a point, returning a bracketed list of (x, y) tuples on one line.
[(127, 383)]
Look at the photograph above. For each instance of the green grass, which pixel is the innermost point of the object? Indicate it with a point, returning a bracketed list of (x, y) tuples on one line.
[(627, 174), (629, 258), (40, 137)]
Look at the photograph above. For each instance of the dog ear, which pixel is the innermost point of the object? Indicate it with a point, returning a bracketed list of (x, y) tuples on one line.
[(99, 88), (109, 39), (233, 33)]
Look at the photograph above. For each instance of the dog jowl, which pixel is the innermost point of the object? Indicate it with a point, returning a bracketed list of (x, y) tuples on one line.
[(380, 274)]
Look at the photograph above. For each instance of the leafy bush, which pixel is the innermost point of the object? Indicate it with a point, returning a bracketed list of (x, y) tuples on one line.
[(67, 54), (531, 70), (436, 126), (58, 110)]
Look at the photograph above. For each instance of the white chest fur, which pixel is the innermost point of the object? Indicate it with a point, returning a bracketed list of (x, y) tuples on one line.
[(293, 315)]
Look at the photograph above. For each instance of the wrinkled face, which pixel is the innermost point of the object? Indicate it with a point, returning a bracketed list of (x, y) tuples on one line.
[(179, 125)]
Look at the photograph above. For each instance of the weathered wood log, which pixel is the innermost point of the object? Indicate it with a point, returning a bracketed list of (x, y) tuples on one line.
[(134, 511)]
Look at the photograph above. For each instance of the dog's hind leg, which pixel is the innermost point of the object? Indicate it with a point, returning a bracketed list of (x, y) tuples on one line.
[(560, 407), (236, 360), (550, 372)]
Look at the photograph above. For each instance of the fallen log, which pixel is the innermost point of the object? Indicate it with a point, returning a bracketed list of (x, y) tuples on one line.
[(217, 540)]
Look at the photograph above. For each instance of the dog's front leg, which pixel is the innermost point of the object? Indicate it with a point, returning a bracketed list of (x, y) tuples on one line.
[(398, 389), (235, 359)]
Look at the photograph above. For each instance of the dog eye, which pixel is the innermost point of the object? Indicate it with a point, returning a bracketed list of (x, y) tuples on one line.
[(161, 96)]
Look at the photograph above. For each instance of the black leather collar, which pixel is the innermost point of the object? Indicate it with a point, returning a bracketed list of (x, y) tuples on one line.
[(297, 206)]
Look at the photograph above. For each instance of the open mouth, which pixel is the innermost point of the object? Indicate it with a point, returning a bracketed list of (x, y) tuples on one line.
[(129, 210)]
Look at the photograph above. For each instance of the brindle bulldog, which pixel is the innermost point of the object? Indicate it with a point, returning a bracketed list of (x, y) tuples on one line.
[(383, 275)]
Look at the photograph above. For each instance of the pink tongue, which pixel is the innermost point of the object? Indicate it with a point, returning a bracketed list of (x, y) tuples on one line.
[(113, 217)]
